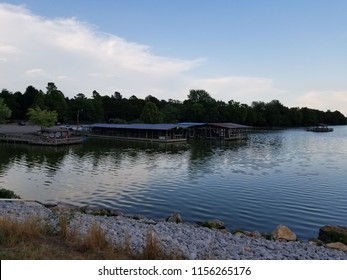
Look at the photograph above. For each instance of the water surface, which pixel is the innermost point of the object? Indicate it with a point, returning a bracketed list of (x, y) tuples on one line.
[(290, 177)]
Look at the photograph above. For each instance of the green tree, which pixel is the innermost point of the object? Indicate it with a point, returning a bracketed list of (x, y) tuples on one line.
[(198, 112), (237, 112), (334, 118), (134, 107), (273, 113), (55, 101), (5, 112), (39, 100), (42, 118), (98, 108), (11, 101), (170, 113), (259, 110), (28, 98), (80, 108), (200, 107), (199, 96), (151, 113), (309, 116), (295, 116)]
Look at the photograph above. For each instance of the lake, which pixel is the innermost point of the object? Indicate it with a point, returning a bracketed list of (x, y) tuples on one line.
[(290, 177)]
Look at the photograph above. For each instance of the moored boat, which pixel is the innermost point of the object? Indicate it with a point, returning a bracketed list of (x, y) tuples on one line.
[(320, 128)]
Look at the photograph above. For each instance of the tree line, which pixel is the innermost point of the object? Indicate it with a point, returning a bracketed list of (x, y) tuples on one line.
[(198, 107)]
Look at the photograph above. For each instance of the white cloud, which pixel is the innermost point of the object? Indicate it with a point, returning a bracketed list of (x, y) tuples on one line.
[(7, 49), (35, 72), (85, 58), (242, 89), (325, 100)]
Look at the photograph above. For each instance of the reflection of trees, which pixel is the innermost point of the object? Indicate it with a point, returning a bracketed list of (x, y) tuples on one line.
[(7, 156), (49, 158), (117, 151)]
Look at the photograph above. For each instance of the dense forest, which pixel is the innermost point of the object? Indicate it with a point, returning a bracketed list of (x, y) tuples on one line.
[(198, 107)]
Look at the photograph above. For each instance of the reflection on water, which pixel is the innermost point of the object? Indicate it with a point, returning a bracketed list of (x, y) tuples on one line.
[(284, 177)]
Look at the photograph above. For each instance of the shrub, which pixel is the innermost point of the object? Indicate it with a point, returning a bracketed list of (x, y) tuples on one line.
[(4, 193)]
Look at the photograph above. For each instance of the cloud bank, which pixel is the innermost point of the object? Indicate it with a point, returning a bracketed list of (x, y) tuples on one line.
[(325, 99)]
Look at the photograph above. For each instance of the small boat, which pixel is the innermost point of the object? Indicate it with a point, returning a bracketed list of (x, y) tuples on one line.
[(320, 128)]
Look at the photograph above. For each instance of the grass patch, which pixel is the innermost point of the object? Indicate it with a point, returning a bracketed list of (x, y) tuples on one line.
[(33, 239), (152, 249)]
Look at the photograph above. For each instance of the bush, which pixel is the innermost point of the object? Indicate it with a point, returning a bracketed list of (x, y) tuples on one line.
[(7, 194)]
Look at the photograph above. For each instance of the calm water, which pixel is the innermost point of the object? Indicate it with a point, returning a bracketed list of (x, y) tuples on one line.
[(291, 177)]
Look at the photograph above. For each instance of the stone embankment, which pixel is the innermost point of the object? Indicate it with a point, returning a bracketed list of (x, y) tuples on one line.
[(186, 240)]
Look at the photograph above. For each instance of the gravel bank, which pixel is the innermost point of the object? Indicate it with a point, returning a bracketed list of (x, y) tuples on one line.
[(191, 241)]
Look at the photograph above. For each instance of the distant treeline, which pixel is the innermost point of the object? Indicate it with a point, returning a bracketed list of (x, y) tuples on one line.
[(198, 107)]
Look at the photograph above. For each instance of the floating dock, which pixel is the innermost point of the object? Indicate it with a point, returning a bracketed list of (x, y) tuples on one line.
[(40, 140)]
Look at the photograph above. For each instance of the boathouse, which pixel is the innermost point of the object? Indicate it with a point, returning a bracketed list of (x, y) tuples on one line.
[(221, 131), (170, 132), (142, 132)]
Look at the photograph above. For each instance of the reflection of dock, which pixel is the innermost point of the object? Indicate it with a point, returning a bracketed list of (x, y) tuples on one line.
[(39, 140)]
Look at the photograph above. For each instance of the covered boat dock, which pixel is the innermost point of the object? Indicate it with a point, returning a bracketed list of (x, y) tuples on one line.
[(179, 132), (221, 131), (140, 132)]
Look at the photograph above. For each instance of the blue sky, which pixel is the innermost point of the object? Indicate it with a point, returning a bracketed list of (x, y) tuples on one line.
[(293, 51)]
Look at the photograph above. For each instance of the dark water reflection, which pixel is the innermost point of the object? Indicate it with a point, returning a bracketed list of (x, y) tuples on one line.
[(292, 177)]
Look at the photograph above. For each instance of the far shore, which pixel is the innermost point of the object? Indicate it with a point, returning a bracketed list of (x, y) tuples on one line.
[(15, 128)]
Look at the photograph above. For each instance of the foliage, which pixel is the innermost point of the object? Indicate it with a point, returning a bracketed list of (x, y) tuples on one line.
[(42, 118), (151, 113), (198, 107), (4, 193), (5, 112), (97, 105), (170, 113), (55, 101), (199, 96)]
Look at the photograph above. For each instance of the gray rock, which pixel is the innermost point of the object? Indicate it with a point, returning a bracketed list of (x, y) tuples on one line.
[(174, 218)]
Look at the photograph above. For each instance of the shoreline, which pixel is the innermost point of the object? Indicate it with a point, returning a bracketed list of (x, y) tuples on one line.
[(192, 242)]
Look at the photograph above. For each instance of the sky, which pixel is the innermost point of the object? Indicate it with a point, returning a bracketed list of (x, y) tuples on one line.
[(292, 51)]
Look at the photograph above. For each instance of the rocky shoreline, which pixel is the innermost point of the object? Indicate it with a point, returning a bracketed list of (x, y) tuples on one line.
[(189, 241)]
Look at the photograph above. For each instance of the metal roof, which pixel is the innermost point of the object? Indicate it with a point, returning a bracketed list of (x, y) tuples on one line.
[(165, 126), (224, 125), (159, 126), (190, 124), (230, 125)]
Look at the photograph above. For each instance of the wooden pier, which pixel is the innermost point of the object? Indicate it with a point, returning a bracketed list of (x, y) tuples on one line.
[(40, 140)]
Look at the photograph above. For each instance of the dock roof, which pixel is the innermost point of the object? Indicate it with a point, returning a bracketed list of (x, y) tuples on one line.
[(222, 125), (229, 125), (139, 126), (165, 126)]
